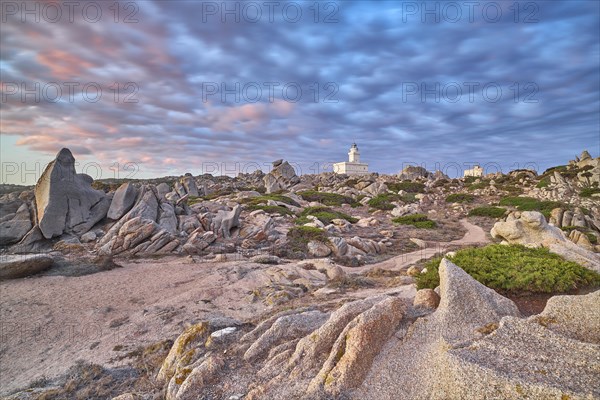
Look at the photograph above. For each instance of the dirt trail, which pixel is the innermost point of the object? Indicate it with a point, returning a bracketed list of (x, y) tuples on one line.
[(475, 235)]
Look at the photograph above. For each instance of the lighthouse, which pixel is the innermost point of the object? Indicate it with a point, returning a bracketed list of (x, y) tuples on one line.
[(353, 166)]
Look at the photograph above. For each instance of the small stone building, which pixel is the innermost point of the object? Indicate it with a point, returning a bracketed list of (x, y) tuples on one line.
[(353, 166), (477, 171)]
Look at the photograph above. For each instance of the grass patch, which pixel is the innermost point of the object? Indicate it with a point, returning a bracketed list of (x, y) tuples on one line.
[(299, 236), (588, 192), (416, 220), (514, 269), (460, 198), (487, 211), (329, 199), (383, 202), (531, 204), (324, 214), (409, 187)]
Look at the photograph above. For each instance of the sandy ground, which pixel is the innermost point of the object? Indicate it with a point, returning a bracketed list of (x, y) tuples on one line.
[(49, 322)]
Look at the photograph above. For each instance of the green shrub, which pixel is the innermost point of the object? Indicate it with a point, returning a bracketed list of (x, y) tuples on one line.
[(191, 200), (382, 202), (271, 209), (515, 268), (299, 236), (592, 238), (487, 211), (441, 182), (324, 214), (408, 186), (408, 197), (544, 182), (531, 204), (329, 199), (460, 198), (511, 189), (588, 192), (480, 185), (416, 220)]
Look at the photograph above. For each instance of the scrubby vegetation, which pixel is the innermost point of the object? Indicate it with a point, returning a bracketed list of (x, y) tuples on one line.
[(324, 214), (416, 220), (487, 211), (515, 269), (329, 199), (588, 192), (544, 182), (531, 204), (382, 202), (460, 198), (408, 186), (299, 236), (480, 185)]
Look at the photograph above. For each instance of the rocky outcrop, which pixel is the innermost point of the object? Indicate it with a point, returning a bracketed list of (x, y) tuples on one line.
[(530, 228), (14, 225), (65, 200), (412, 172), (282, 176)]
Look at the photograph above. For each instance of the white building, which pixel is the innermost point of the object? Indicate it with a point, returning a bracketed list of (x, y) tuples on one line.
[(353, 166), (477, 171)]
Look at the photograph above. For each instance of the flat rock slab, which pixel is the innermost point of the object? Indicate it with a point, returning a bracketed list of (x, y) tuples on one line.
[(20, 266)]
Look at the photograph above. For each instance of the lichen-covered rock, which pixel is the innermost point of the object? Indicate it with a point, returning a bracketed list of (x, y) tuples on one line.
[(183, 350)]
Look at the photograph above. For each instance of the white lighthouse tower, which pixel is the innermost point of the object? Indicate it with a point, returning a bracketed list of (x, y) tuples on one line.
[(353, 154), (353, 166)]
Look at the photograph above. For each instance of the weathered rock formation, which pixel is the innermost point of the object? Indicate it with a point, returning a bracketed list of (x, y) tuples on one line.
[(282, 176), (65, 200)]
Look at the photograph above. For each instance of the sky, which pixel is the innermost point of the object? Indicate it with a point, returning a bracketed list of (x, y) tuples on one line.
[(153, 88)]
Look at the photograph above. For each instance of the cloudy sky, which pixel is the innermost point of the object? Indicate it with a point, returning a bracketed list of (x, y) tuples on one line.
[(152, 88)]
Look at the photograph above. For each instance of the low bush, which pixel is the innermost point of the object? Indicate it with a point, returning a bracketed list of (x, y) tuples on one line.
[(324, 214), (531, 204), (409, 187), (299, 236), (382, 202), (487, 211), (416, 220), (588, 192), (514, 269), (460, 198), (544, 182), (329, 199)]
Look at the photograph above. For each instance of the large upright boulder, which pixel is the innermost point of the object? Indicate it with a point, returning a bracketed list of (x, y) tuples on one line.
[(531, 229), (282, 176), (65, 200), (122, 201)]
